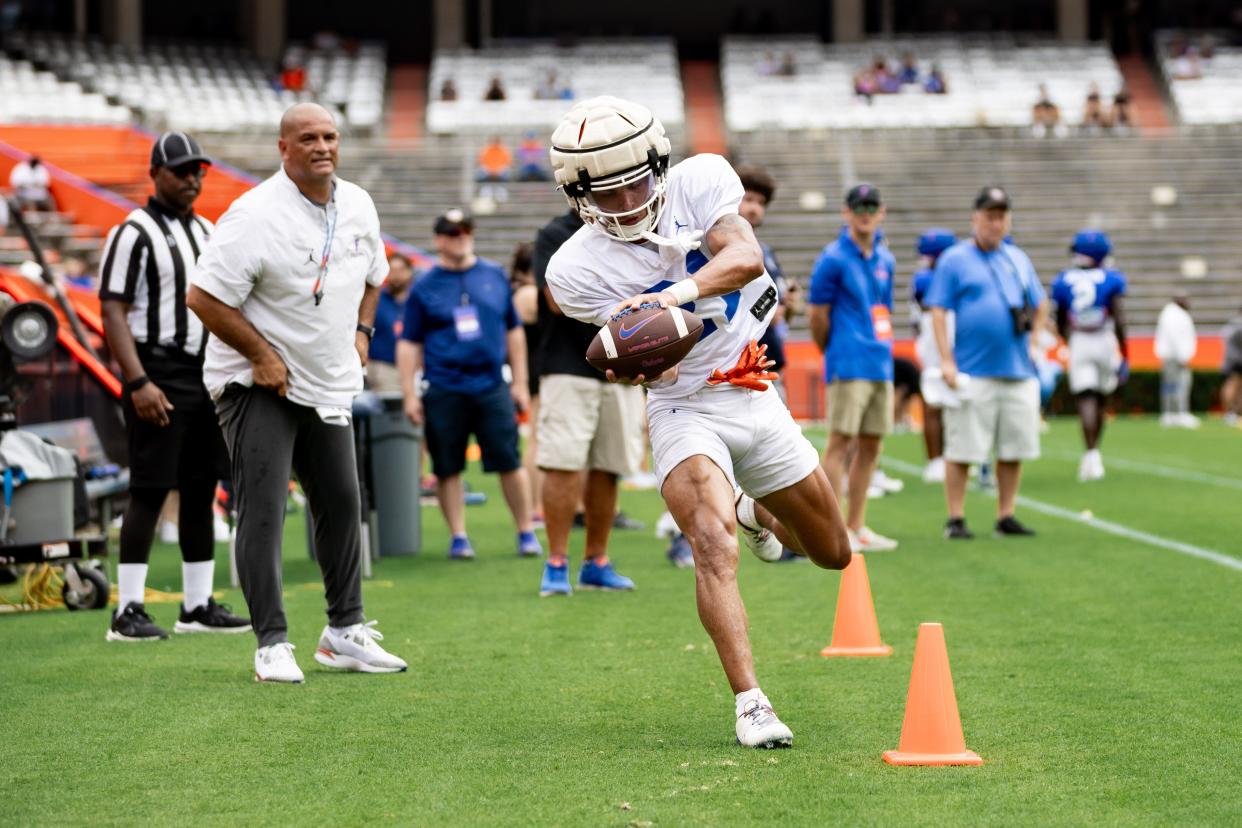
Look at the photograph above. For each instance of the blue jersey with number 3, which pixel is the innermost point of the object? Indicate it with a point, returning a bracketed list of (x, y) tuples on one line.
[(1088, 294)]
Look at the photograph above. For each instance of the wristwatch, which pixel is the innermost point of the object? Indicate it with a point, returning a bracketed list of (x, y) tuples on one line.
[(369, 330), (136, 383)]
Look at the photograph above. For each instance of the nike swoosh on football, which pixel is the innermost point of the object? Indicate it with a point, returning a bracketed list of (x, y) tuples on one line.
[(626, 333)]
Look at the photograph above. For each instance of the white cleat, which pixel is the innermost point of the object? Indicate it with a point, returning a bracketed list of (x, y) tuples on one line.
[(933, 472), (356, 647), (890, 485), (758, 726), (275, 663), (1091, 467), (759, 540), (865, 540)]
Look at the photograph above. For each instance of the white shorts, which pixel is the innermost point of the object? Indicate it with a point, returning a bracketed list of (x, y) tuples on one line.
[(586, 423), (1093, 362), (995, 415), (750, 435)]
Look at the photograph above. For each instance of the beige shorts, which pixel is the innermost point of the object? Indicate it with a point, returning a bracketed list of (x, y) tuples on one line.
[(996, 415), (588, 424), (383, 377), (860, 407)]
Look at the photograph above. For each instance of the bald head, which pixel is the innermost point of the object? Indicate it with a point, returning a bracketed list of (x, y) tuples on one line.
[(309, 143), (300, 114)]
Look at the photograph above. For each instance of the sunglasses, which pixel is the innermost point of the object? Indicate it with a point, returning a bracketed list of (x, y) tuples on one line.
[(194, 168), (454, 232), (865, 209)]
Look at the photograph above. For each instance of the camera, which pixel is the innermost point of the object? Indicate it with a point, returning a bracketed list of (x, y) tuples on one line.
[(1023, 320)]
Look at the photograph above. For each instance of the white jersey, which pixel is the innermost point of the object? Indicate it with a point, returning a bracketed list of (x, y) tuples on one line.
[(592, 272)]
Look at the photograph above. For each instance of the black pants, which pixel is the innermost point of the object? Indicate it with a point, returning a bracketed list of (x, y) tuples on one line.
[(268, 437)]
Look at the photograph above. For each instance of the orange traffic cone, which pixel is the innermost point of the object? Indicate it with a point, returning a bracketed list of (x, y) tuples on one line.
[(932, 731), (855, 631)]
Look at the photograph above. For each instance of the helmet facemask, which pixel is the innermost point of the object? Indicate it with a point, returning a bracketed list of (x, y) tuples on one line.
[(624, 205)]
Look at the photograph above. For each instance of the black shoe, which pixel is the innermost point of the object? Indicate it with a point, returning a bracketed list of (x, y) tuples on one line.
[(211, 618), (579, 520), (623, 521), (1011, 526), (133, 624), (955, 529)]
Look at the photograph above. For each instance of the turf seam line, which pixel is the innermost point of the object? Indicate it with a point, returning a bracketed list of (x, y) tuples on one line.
[(1102, 525)]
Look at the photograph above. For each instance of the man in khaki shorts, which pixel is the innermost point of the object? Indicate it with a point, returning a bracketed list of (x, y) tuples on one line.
[(851, 305), (586, 424), (992, 288)]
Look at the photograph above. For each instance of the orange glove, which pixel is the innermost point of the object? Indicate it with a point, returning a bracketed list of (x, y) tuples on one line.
[(751, 369)]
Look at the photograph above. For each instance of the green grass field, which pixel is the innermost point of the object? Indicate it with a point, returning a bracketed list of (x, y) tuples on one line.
[(1098, 675)]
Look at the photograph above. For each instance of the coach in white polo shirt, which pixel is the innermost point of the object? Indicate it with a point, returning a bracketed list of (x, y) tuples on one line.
[(288, 287)]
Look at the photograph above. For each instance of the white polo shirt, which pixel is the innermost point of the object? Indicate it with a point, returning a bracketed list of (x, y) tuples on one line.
[(264, 258)]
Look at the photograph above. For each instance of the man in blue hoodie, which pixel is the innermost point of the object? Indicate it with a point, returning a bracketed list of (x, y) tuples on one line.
[(851, 307)]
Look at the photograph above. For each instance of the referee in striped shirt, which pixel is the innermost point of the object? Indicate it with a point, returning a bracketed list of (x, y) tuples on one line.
[(174, 439)]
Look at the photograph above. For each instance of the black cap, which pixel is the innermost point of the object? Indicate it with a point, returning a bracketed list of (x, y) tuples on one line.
[(175, 148), (861, 194), (992, 198), (454, 219)]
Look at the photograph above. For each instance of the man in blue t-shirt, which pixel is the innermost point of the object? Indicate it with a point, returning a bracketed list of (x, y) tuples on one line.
[(851, 307), (460, 329), (1091, 320), (991, 287), (382, 372)]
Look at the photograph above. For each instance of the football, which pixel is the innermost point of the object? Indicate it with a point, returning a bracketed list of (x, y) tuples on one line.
[(648, 341)]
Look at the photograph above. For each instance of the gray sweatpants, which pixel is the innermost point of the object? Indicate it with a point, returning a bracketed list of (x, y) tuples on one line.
[(1175, 380), (268, 437)]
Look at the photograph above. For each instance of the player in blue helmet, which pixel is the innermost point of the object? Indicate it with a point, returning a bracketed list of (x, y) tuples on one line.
[(1088, 298), (930, 245)]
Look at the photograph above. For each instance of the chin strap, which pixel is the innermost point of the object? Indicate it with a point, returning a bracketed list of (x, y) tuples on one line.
[(750, 371), (678, 246)]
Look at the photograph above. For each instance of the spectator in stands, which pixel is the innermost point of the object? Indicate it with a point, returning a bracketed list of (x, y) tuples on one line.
[(532, 156), (76, 273), (495, 169), (992, 288), (382, 375), (886, 80), (909, 72), (1094, 117), (935, 83), (1187, 66), (930, 245), (548, 89), (526, 303), (31, 184), (174, 439), (768, 66), (283, 374), (865, 84), (293, 75), (1176, 343), (1122, 116), (1231, 389), (851, 305), (789, 66), (588, 428), (495, 90), (448, 90), (1046, 116), (460, 330)]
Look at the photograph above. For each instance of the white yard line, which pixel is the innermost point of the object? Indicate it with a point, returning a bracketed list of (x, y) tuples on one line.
[(1102, 525), (1171, 472)]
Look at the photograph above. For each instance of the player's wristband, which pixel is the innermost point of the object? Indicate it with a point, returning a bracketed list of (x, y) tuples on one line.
[(366, 329), (136, 383), (687, 290)]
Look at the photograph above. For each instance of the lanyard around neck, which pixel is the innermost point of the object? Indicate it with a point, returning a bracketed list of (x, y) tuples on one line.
[(329, 234)]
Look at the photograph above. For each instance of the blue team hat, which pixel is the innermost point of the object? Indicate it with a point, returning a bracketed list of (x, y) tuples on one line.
[(935, 241), (1091, 243)]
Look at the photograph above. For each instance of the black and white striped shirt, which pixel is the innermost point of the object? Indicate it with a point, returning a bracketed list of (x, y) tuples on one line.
[(148, 262)]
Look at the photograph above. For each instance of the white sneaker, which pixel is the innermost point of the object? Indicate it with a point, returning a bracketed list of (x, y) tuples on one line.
[(759, 540), (1091, 467), (865, 540), (169, 532), (758, 726), (875, 492), (356, 647), (890, 485), (933, 472), (275, 663), (1189, 421)]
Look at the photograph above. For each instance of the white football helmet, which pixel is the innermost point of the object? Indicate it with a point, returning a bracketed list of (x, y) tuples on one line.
[(610, 159)]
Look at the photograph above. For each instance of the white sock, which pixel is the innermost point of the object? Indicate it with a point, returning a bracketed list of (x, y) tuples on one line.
[(131, 584), (746, 696), (196, 580)]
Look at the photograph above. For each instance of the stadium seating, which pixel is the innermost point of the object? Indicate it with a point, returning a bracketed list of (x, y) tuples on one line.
[(992, 81), (28, 95), (1213, 98), (211, 88), (590, 68)]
